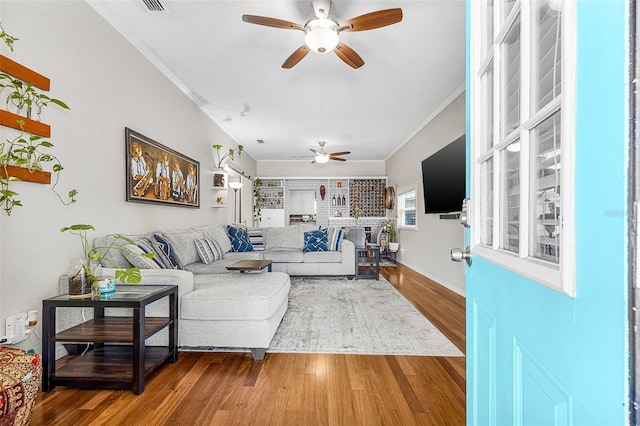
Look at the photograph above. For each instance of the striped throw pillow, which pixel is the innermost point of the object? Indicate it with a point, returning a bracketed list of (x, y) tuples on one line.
[(208, 250)]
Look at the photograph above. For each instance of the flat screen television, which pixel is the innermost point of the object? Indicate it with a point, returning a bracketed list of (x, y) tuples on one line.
[(444, 177)]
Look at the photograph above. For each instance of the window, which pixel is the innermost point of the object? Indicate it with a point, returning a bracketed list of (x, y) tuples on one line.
[(407, 209), (521, 120)]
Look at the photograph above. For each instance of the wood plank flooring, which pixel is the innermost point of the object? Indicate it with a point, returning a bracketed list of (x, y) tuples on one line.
[(291, 389)]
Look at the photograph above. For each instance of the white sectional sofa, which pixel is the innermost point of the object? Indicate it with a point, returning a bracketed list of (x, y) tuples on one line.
[(219, 308)]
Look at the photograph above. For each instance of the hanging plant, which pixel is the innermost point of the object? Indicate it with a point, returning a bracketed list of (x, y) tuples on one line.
[(258, 198), (26, 150)]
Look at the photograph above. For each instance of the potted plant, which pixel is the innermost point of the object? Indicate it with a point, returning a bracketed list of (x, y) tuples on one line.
[(358, 213), (85, 271), (229, 154), (389, 228)]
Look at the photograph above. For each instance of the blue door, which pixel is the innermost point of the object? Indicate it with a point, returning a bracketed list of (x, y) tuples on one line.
[(538, 354)]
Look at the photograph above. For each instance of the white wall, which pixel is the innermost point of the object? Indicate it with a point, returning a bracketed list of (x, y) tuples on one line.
[(330, 169), (109, 85), (427, 249)]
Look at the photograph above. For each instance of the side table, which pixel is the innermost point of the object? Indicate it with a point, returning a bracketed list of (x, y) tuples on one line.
[(120, 359), (368, 262)]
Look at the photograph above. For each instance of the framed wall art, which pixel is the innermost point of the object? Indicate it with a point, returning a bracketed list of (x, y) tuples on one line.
[(158, 174)]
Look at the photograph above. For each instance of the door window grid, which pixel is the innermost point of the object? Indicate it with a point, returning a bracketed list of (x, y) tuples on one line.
[(530, 111)]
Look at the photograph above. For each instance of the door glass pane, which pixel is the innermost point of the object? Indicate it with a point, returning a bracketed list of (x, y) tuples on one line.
[(507, 8), (486, 203), (487, 113), (545, 192), (546, 77), (487, 21), (511, 71), (510, 199)]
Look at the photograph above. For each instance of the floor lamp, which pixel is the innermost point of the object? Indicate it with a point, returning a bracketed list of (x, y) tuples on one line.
[(235, 186)]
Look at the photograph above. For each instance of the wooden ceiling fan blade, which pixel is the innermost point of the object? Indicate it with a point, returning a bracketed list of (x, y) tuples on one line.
[(296, 57), (340, 153), (373, 20), (321, 8), (314, 151), (337, 158), (272, 22), (348, 55)]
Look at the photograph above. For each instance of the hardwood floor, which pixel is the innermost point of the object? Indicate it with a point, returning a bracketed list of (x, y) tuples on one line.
[(291, 389)]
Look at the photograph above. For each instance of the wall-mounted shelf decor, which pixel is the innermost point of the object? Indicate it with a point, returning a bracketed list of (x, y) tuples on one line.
[(25, 152), (12, 120), (23, 73), (24, 174)]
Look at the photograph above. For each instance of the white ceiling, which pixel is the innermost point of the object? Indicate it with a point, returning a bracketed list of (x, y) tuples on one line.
[(233, 70)]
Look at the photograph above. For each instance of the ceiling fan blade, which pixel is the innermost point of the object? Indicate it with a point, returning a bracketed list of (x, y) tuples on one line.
[(370, 21), (321, 8), (336, 158), (314, 151), (340, 153), (272, 22), (348, 55), (296, 57)]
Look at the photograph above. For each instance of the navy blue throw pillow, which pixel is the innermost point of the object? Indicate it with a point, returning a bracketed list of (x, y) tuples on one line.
[(239, 239), (316, 241)]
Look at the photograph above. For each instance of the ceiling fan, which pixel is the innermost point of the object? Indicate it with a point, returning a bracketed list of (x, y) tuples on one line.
[(322, 34), (322, 156)]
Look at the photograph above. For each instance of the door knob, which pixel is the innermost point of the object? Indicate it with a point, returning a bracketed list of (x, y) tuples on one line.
[(458, 255)]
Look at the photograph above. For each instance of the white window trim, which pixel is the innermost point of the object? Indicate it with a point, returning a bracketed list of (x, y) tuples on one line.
[(407, 227), (558, 277)]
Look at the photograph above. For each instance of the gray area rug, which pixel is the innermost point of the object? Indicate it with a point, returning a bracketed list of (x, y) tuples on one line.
[(337, 315)]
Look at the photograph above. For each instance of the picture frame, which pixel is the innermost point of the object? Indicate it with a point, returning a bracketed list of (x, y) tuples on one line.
[(157, 174)]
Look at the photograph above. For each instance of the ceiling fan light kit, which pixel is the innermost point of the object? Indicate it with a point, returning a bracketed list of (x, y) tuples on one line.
[(322, 35)]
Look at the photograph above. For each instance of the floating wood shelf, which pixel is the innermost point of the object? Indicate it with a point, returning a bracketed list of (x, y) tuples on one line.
[(25, 174), (23, 73), (10, 119)]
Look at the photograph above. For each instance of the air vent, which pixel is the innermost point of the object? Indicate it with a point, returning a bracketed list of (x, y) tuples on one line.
[(154, 6)]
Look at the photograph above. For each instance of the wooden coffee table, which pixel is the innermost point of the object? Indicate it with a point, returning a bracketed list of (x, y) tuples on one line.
[(250, 265)]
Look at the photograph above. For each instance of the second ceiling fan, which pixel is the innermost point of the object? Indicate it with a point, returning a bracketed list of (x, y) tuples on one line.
[(323, 157), (322, 34)]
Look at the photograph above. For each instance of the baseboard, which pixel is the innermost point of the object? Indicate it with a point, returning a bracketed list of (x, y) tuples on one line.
[(437, 280)]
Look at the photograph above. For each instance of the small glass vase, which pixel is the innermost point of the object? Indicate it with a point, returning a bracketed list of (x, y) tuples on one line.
[(79, 282)]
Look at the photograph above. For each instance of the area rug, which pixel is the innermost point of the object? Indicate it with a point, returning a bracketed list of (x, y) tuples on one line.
[(337, 315)]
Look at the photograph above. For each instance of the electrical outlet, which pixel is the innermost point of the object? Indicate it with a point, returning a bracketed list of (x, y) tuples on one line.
[(15, 328)]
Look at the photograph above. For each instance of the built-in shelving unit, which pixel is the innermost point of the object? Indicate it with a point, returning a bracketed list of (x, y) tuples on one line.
[(272, 194)]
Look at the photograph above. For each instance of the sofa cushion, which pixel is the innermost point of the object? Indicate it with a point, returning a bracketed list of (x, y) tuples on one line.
[(208, 250), (220, 266), (239, 239), (284, 237), (182, 243), (245, 297), (284, 255), (315, 240), (217, 233), (138, 257), (322, 257), (165, 252)]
